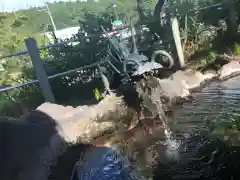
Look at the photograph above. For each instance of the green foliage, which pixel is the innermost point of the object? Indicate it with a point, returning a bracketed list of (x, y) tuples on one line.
[(15, 27), (209, 59), (66, 14), (236, 49), (199, 28), (97, 94), (228, 129), (212, 55)]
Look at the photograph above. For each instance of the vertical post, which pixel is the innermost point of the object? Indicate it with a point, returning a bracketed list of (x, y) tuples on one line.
[(176, 35), (51, 18), (33, 51), (177, 41)]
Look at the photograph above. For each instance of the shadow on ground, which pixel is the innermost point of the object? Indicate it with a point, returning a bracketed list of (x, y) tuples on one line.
[(29, 148), (22, 141)]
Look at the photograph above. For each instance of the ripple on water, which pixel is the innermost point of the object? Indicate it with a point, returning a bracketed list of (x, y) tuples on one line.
[(203, 155)]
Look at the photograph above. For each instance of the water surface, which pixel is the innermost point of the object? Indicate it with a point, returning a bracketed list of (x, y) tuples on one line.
[(209, 130)]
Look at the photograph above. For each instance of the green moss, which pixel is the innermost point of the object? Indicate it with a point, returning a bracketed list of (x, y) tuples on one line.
[(212, 55), (236, 49), (209, 59), (97, 94)]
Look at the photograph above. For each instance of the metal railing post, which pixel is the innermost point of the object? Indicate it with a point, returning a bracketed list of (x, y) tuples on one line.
[(41, 74)]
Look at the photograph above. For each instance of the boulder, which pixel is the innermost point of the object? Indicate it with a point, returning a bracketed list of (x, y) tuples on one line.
[(32, 144), (192, 78), (174, 88), (228, 70), (210, 74), (86, 122)]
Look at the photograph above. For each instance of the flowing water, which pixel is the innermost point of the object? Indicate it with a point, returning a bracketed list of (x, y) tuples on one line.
[(171, 143), (206, 133)]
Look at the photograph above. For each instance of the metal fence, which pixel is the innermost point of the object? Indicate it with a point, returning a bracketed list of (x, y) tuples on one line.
[(34, 51)]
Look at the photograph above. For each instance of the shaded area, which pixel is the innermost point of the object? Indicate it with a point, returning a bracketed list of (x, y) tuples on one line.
[(64, 168), (22, 141), (33, 143)]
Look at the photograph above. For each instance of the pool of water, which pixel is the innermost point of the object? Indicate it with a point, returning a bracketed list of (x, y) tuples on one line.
[(208, 128)]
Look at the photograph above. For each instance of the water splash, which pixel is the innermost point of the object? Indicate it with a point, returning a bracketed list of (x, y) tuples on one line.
[(154, 96), (171, 143)]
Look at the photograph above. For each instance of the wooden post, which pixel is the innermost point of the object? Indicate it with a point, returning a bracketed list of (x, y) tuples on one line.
[(41, 74), (176, 36), (177, 41)]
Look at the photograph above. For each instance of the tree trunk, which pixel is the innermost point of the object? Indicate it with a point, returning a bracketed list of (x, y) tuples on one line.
[(232, 19), (140, 10), (158, 8)]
